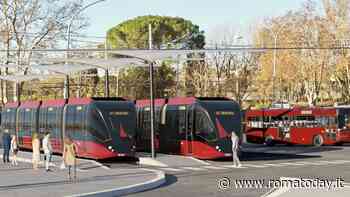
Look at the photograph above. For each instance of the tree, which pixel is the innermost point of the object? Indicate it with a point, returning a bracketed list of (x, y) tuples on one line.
[(134, 82), (165, 30), (34, 24), (303, 74)]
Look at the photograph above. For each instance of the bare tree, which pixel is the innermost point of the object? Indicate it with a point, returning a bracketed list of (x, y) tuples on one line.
[(32, 24)]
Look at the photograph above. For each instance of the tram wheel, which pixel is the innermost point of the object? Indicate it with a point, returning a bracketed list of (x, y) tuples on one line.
[(317, 141), (269, 141)]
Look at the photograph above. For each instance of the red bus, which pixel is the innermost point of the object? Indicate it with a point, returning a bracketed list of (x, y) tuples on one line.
[(198, 127), (308, 126), (100, 127)]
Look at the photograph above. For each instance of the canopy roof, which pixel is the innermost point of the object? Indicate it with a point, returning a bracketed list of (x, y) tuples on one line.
[(165, 54), (22, 78), (137, 57), (100, 63)]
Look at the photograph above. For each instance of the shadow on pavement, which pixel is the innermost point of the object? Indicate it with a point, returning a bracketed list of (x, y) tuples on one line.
[(293, 149), (258, 156)]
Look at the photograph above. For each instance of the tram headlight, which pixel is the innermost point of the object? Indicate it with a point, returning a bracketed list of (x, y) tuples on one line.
[(217, 147), (110, 148)]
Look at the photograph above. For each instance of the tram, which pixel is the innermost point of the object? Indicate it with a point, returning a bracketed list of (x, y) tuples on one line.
[(307, 126), (198, 127), (101, 128)]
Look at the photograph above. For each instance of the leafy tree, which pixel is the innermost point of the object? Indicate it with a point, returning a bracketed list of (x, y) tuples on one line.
[(134, 82), (166, 31)]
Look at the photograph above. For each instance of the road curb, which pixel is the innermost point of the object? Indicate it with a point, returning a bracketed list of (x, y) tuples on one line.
[(151, 184)]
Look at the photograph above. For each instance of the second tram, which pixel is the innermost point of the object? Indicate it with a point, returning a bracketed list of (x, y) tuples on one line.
[(199, 127)]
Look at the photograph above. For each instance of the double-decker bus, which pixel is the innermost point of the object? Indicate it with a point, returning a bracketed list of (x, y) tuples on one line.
[(308, 126), (101, 128), (198, 127)]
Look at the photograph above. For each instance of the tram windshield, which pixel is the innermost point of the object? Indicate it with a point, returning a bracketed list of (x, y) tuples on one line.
[(224, 117), (204, 127), (117, 116)]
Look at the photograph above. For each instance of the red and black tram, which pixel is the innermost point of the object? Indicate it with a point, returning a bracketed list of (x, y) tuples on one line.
[(100, 127), (199, 127), (307, 126)]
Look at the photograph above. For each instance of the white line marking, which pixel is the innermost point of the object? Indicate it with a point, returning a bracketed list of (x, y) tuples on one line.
[(214, 167), (337, 162), (312, 163), (253, 166), (101, 165), (273, 164), (172, 169), (344, 161), (291, 164), (193, 168), (231, 166), (327, 162), (200, 161)]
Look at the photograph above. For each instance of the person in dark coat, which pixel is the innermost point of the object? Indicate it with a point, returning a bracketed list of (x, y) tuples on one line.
[(6, 141)]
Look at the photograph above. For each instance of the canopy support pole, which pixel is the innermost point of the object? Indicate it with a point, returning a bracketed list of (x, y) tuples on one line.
[(151, 75), (66, 87), (106, 83)]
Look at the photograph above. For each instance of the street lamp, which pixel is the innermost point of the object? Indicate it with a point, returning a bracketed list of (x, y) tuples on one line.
[(66, 81), (275, 35)]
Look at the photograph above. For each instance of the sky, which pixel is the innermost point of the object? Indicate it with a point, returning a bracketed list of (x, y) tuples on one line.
[(210, 15)]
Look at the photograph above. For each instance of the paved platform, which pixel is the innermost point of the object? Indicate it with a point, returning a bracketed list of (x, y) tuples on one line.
[(94, 179), (165, 160)]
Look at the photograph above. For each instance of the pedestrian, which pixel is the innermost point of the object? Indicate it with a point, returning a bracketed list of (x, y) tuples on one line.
[(6, 142), (47, 150), (235, 146), (36, 150), (69, 154), (14, 150)]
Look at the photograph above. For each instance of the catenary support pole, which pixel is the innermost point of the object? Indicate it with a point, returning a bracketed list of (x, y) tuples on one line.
[(151, 75)]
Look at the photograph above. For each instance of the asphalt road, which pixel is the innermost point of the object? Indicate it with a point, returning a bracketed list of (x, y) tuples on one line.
[(265, 163)]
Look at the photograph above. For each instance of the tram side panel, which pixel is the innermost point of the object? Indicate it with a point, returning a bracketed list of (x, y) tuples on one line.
[(9, 116), (50, 120), (27, 123)]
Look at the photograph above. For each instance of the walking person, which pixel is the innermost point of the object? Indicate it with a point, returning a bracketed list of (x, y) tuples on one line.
[(6, 142), (36, 150), (69, 154), (235, 146), (47, 151), (14, 150)]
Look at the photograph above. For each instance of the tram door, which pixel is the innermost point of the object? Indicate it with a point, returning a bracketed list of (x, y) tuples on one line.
[(189, 130)]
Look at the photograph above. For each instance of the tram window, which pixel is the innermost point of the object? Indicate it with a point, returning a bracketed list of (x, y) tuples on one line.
[(157, 118), (79, 121), (146, 121), (70, 116), (204, 126), (182, 121), (42, 119), (33, 121)]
